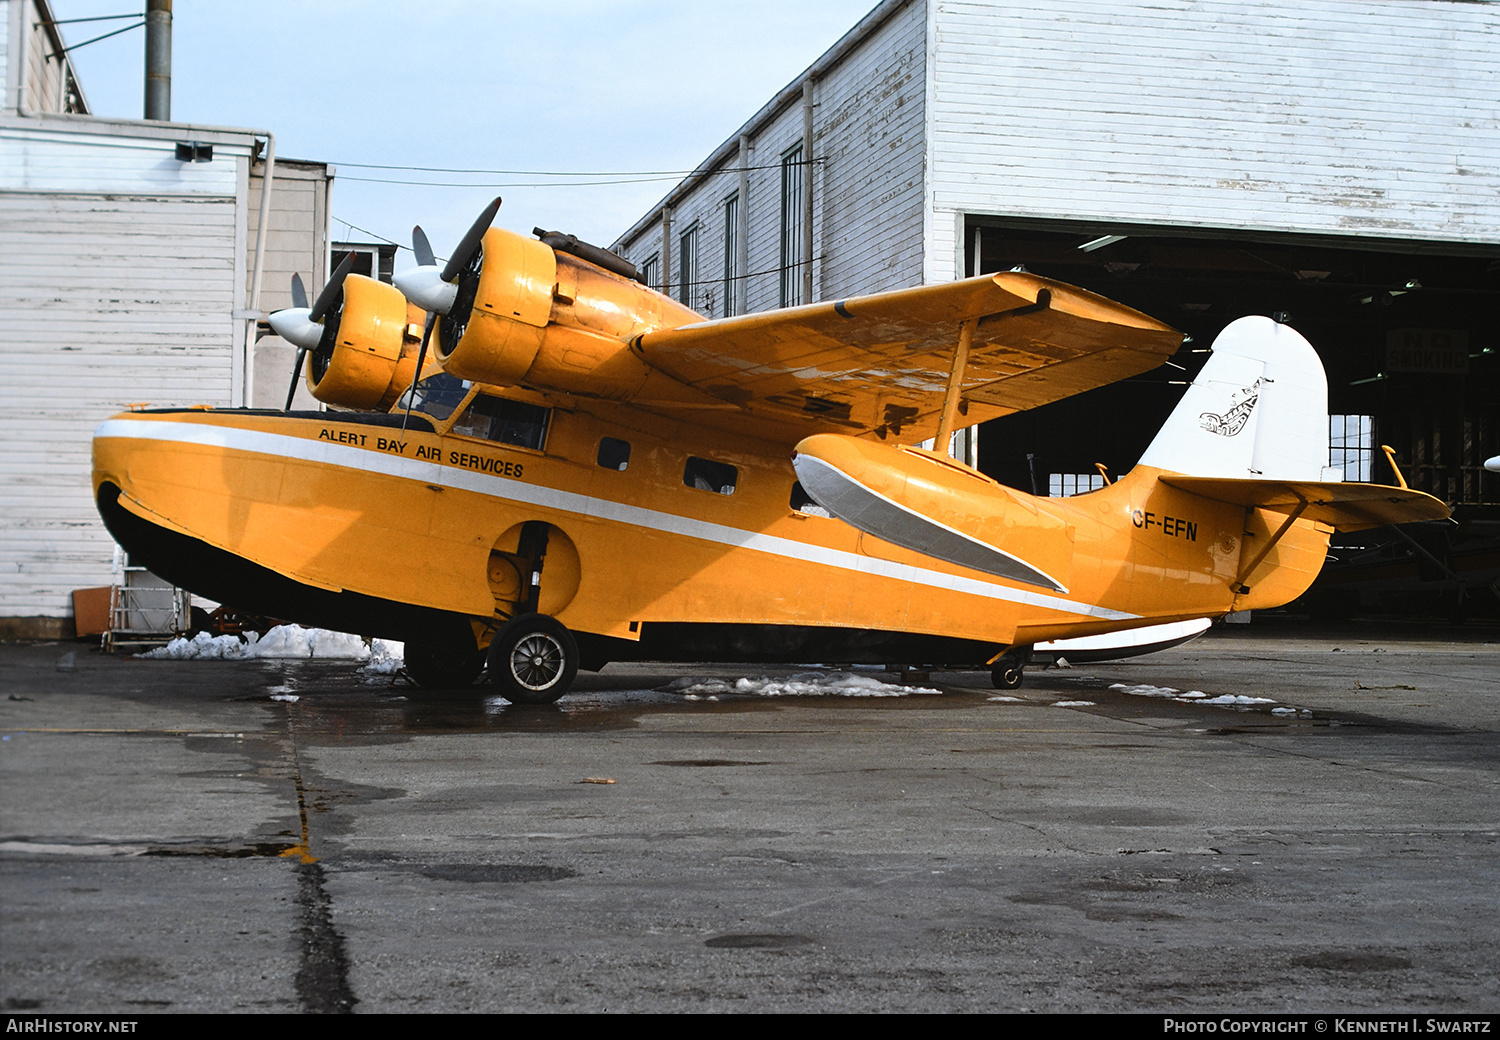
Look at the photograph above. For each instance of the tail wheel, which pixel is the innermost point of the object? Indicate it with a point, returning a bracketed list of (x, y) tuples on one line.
[(533, 659), (1010, 669)]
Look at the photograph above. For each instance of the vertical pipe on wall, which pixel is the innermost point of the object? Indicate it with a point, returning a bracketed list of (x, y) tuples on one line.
[(807, 191), (666, 250), (159, 59), (742, 232)]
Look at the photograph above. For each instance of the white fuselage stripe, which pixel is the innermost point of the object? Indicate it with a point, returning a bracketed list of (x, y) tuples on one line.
[(352, 457)]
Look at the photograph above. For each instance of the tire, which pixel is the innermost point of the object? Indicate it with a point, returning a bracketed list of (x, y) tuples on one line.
[(1010, 669), (442, 668), (533, 659), (1007, 676)]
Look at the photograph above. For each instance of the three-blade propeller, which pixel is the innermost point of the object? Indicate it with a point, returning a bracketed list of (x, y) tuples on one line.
[(435, 291), (303, 326)]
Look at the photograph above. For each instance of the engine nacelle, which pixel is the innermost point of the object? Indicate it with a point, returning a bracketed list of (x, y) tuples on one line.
[(549, 320), (368, 352)]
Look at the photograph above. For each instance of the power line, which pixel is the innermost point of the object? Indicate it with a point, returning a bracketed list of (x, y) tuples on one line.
[(563, 173)]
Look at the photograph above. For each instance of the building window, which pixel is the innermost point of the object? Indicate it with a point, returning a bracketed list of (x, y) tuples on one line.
[(706, 475), (1351, 445), (791, 227), (1062, 485), (687, 264), (731, 252), (651, 271)]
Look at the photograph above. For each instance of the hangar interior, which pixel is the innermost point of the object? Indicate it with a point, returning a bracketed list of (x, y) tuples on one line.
[(1405, 329)]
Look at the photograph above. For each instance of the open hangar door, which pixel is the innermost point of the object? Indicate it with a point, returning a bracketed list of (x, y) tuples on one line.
[(1408, 331)]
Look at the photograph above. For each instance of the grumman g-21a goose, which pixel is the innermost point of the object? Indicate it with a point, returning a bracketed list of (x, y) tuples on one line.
[(584, 470)]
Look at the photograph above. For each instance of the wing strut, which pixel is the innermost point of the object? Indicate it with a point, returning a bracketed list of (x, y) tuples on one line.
[(944, 442)]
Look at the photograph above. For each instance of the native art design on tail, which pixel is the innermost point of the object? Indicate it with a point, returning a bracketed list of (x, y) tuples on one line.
[(1238, 414)]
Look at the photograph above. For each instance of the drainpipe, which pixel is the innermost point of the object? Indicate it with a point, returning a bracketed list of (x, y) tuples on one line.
[(252, 314)]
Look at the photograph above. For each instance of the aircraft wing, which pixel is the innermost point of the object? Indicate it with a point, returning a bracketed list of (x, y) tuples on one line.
[(879, 365), (1344, 506)]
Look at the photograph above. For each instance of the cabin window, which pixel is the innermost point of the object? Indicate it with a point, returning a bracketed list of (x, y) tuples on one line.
[(1062, 485), (802, 502), (1351, 445), (505, 422), (791, 227), (436, 396), (614, 454), (706, 475)]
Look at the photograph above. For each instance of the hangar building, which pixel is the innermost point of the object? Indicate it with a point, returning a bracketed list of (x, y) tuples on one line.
[(1333, 161)]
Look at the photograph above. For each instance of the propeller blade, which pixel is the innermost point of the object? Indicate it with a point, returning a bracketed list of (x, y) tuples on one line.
[(470, 243), (299, 292), (411, 395), (330, 294), (422, 247), (291, 391)]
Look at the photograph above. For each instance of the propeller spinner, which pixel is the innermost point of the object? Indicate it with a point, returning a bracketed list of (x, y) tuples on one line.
[(436, 290), (304, 326)]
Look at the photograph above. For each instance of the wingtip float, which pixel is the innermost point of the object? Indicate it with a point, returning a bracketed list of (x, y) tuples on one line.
[(552, 466)]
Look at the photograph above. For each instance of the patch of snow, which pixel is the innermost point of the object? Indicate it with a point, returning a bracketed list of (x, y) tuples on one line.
[(386, 657), (1002, 697), (289, 697), (1147, 690), (1072, 704), (284, 642), (1231, 698), (805, 684)]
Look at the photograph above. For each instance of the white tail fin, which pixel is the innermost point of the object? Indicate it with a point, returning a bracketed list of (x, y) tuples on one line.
[(1259, 409)]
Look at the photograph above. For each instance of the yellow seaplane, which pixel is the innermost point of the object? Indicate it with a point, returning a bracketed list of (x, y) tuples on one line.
[(584, 471)]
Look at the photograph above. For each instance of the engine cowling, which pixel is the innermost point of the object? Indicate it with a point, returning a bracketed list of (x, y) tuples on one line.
[(525, 315), (368, 352)]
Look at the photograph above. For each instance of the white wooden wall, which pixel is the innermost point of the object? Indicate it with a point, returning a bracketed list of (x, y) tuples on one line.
[(867, 190), (120, 270), (1347, 117)]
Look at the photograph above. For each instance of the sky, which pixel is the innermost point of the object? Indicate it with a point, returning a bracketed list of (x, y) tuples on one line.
[(630, 94)]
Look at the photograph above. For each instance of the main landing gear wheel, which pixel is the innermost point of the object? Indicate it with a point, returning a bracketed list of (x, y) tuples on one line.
[(442, 668), (533, 659), (1010, 669)]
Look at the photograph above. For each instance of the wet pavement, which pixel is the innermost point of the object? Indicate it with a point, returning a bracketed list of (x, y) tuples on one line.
[(174, 838)]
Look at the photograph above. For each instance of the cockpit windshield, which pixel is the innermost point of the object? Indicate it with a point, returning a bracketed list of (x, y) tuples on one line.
[(436, 396)]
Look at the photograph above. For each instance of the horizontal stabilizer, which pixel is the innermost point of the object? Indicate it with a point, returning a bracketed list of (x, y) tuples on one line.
[(1343, 506)]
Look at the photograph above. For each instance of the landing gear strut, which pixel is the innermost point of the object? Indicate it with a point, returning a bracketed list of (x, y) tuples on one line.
[(1010, 669), (533, 659)]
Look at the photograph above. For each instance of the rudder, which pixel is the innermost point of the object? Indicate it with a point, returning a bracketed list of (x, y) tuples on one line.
[(1258, 409)]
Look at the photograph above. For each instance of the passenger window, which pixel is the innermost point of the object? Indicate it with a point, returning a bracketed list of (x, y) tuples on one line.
[(614, 454), (505, 422), (802, 502), (710, 476)]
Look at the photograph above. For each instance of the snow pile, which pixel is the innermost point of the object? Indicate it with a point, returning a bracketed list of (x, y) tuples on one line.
[(284, 642), (806, 684), (386, 656), (1193, 696)]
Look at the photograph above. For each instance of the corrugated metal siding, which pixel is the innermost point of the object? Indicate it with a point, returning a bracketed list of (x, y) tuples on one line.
[(1329, 116), (103, 301)]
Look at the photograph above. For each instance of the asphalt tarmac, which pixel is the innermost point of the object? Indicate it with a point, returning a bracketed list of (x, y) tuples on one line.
[(175, 838)]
